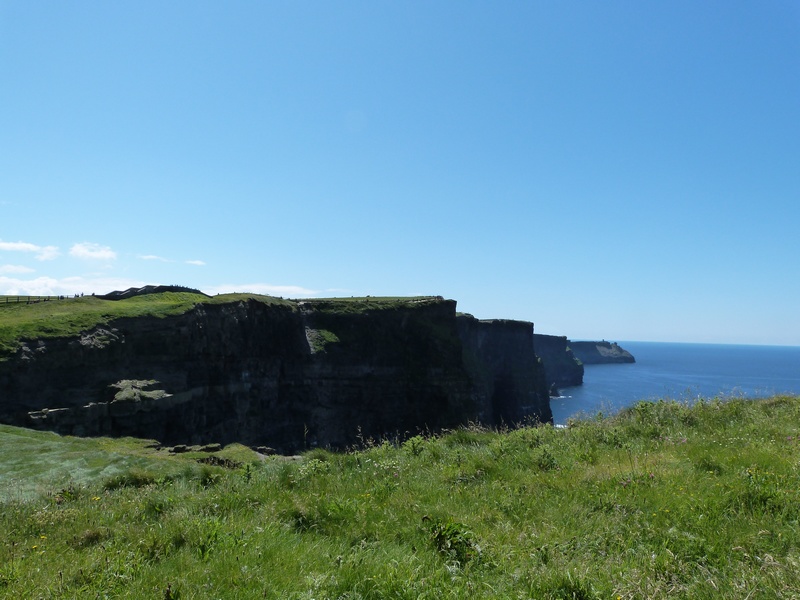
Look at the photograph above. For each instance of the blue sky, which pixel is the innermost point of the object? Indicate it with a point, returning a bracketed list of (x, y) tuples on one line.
[(617, 170)]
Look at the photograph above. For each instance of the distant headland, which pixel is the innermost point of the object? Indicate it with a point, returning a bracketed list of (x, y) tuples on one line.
[(595, 353)]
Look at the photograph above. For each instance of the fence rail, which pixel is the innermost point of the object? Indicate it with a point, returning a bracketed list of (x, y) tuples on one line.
[(30, 299)]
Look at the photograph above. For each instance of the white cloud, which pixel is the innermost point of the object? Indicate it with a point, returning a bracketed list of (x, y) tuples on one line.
[(48, 253), (18, 247), (41, 286), (67, 286), (90, 251), (285, 291), (154, 257), (100, 284), (15, 269), (198, 263), (42, 252)]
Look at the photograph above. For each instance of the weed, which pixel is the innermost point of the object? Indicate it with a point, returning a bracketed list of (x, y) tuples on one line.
[(414, 445), (247, 473), (155, 507), (67, 494), (170, 594), (311, 468), (707, 464), (136, 478), (208, 477), (542, 457), (206, 535), (566, 586), (455, 541), (90, 537)]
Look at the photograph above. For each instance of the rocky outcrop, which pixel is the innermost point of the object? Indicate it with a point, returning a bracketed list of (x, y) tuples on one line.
[(595, 353), (285, 375), (561, 367)]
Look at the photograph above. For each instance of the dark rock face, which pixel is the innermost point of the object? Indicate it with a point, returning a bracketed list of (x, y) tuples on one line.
[(288, 377), (561, 367), (508, 378), (595, 353)]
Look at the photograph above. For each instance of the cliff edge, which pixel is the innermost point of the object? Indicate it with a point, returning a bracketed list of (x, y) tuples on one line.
[(285, 374)]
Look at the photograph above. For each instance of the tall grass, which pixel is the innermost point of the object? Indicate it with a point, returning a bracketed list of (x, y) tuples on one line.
[(662, 501)]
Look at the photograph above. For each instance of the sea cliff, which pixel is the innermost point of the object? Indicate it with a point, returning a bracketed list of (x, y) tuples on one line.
[(287, 375), (562, 368)]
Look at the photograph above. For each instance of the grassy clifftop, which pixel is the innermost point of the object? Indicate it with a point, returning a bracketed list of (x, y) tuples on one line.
[(70, 316), (20, 320), (365, 304), (662, 501)]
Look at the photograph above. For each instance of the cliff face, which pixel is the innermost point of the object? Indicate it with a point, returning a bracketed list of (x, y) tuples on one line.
[(509, 381), (561, 367), (320, 373), (595, 353)]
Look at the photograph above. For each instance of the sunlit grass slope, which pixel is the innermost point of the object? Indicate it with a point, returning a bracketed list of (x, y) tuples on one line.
[(35, 463), (663, 501)]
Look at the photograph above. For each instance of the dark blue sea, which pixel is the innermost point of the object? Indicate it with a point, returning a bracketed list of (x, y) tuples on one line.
[(683, 372)]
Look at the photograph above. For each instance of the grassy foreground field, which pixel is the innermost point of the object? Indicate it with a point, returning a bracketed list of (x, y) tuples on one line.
[(663, 501)]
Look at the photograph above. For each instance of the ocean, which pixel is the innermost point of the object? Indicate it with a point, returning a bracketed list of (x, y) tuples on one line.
[(683, 372)]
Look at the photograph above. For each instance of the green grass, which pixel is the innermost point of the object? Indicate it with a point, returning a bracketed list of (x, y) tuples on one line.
[(68, 317), (38, 463), (662, 501), (320, 338), (368, 303)]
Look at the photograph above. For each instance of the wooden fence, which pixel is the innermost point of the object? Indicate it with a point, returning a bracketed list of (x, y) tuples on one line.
[(29, 299)]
